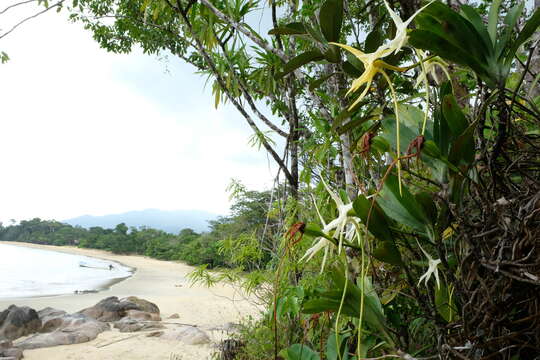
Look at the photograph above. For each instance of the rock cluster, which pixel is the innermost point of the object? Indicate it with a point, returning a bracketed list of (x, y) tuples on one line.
[(23, 328)]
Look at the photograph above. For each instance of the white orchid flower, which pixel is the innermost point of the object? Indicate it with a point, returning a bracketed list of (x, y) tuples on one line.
[(430, 67), (374, 64), (372, 61), (339, 225), (432, 269), (401, 28)]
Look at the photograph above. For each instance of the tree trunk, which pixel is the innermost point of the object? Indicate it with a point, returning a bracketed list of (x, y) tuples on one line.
[(534, 67)]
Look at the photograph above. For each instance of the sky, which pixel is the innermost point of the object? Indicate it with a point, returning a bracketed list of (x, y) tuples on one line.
[(83, 131)]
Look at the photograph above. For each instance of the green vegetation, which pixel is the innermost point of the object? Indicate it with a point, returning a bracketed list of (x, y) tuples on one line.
[(406, 220), (211, 248)]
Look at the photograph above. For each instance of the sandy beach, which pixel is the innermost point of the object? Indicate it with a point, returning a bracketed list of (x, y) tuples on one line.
[(161, 282)]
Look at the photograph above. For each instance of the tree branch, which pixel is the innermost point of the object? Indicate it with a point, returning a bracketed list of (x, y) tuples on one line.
[(261, 42), (15, 5), (30, 17), (234, 101)]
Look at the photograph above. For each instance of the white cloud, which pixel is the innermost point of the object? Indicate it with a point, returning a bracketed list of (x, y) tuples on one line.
[(77, 137)]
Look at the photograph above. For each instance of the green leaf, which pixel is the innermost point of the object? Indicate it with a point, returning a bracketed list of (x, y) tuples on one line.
[(373, 218), (388, 252), (331, 19), (333, 54), (351, 70), (336, 346), (493, 18), (314, 230), (392, 291), (457, 30), (316, 83), (456, 120), (410, 121), (373, 40), (443, 302), (425, 199), (462, 149), (294, 28), (299, 352), (528, 30), (438, 45), (510, 21), (315, 306), (402, 208), (300, 60), (474, 18)]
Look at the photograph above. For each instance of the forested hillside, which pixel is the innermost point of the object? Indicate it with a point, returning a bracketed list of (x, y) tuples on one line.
[(247, 221), (171, 221)]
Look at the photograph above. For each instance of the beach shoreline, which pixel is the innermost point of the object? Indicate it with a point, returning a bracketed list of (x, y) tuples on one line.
[(98, 277), (161, 282)]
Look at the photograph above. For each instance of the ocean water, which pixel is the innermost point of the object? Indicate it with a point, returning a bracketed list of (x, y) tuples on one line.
[(27, 272)]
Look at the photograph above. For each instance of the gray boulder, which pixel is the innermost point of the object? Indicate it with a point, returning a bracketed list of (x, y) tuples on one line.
[(113, 309), (142, 315), (18, 321), (11, 354), (73, 329), (8, 352), (143, 305), (189, 335), (51, 319), (132, 325)]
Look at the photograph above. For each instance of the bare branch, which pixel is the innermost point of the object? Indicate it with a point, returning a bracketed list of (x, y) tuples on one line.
[(15, 5), (31, 17)]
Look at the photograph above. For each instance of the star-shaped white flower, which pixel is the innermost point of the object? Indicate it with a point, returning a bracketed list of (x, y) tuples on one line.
[(373, 63), (401, 28), (432, 269), (430, 67), (339, 225)]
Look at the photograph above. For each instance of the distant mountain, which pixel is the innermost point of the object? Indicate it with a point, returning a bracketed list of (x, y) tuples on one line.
[(169, 221)]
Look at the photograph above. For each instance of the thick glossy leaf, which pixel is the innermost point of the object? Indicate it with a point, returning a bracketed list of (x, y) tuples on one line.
[(351, 70), (493, 18), (474, 18), (336, 347), (314, 230), (295, 28), (438, 45), (443, 301), (373, 40), (373, 313), (458, 30), (315, 306), (331, 19), (510, 21), (410, 123), (425, 199), (528, 30), (315, 33), (456, 120), (373, 217), (462, 150), (300, 60), (333, 54), (402, 208), (388, 252), (299, 352), (380, 144)]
